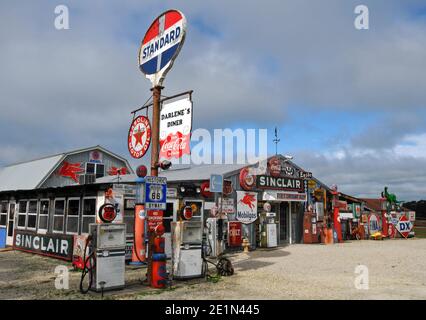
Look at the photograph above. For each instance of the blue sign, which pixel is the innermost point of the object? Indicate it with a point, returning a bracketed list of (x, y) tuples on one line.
[(216, 183), (155, 193)]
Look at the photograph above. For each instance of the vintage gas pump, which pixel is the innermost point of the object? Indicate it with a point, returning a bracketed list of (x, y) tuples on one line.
[(187, 237), (217, 236), (336, 213), (310, 229), (268, 230)]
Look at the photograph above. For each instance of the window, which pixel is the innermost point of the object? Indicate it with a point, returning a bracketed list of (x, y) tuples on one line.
[(129, 215), (32, 214), (98, 169), (43, 218), (58, 216), (22, 213), (89, 214), (168, 216), (73, 215), (3, 213)]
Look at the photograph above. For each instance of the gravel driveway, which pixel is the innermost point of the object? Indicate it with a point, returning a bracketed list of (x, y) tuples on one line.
[(396, 270)]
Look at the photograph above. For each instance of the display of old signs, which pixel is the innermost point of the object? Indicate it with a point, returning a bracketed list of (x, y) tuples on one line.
[(373, 223), (246, 207), (404, 226), (216, 183), (175, 129), (139, 137), (161, 45), (155, 193)]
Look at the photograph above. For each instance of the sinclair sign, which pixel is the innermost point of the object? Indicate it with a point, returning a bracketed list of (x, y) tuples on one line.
[(280, 183)]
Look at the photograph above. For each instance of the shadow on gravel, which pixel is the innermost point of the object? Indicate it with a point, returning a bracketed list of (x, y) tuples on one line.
[(251, 265), (274, 253)]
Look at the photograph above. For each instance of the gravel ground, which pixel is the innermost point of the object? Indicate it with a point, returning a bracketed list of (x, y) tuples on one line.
[(397, 270)]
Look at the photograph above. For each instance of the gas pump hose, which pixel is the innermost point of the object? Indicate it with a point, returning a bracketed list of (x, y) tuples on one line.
[(88, 267)]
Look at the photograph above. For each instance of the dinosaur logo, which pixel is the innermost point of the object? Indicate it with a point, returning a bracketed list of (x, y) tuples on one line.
[(71, 170)]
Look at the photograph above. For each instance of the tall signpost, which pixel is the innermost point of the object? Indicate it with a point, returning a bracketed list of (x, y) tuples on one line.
[(159, 48)]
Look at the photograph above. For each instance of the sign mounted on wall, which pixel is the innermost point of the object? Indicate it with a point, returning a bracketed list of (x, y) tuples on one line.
[(246, 207), (161, 45), (139, 137), (175, 129)]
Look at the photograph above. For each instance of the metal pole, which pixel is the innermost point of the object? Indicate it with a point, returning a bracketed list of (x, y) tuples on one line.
[(156, 94)]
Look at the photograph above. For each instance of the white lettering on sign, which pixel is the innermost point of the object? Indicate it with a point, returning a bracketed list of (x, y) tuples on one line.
[(160, 44)]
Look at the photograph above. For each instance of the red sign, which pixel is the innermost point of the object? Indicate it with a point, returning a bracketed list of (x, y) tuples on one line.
[(274, 165), (175, 146), (139, 137), (205, 190), (154, 218), (235, 237), (247, 180), (114, 171), (107, 213), (71, 170)]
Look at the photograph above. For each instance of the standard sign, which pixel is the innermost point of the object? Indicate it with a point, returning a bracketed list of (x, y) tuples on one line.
[(161, 45), (175, 129), (155, 193), (57, 246)]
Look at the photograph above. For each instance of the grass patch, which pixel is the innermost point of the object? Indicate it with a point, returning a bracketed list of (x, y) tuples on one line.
[(420, 232)]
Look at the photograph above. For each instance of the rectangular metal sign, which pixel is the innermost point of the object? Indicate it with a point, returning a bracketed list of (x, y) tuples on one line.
[(216, 183), (155, 193)]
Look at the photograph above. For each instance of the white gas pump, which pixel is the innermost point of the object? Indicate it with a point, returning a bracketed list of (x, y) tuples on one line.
[(105, 264), (271, 230), (216, 236)]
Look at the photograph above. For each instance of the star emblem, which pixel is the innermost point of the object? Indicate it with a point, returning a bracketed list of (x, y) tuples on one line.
[(138, 136)]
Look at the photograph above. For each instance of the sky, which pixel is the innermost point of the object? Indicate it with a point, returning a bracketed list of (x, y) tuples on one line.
[(349, 105)]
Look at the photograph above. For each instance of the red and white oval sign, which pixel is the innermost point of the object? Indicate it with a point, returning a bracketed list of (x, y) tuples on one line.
[(139, 137)]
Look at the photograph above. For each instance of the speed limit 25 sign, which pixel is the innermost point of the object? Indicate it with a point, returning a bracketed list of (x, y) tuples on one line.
[(155, 193)]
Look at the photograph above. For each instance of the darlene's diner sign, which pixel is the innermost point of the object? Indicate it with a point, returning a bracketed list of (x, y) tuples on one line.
[(280, 183), (57, 246)]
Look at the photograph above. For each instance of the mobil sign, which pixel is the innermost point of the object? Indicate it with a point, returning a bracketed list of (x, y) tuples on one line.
[(404, 226), (161, 45)]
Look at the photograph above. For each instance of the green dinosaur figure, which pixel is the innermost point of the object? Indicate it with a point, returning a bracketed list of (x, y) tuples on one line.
[(390, 196)]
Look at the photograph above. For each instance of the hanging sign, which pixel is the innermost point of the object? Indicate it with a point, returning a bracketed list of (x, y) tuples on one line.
[(404, 226), (139, 137), (246, 207), (175, 129), (247, 180), (161, 45)]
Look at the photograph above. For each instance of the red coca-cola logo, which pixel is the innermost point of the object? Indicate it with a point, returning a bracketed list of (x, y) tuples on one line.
[(174, 146)]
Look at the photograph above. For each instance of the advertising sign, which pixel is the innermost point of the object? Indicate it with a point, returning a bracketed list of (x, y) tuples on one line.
[(95, 156), (235, 238), (155, 193), (227, 205), (154, 218), (404, 226), (216, 183), (161, 45), (280, 183), (246, 207), (175, 129), (139, 137), (247, 179), (373, 223), (53, 245)]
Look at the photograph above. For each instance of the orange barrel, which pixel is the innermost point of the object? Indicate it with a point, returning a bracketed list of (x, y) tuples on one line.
[(139, 250), (159, 271), (329, 236), (159, 244)]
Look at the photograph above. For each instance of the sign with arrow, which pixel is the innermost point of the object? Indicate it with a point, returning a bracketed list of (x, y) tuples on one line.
[(216, 183)]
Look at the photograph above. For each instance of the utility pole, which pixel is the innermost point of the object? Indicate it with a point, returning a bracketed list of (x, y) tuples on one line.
[(156, 96), (276, 141)]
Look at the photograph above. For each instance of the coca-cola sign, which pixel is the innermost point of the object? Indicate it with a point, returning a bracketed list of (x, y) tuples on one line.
[(175, 129)]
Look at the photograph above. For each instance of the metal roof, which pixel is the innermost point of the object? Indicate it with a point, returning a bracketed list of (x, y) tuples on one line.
[(31, 174), (27, 175)]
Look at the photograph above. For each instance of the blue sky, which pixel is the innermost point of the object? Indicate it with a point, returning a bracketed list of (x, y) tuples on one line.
[(348, 104)]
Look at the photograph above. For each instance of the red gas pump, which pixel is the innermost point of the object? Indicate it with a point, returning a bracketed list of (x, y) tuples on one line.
[(310, 229), (336, 213), (385, 227)]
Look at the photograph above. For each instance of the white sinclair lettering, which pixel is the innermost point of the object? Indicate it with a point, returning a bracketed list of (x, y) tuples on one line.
[(42, 243), (267, 182)]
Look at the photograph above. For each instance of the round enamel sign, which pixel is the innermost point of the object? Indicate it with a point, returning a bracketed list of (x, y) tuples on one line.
[(161, 45), (139, 137)]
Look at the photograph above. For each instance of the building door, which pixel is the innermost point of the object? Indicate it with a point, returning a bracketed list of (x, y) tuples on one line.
[(283, 221), (11, 223)]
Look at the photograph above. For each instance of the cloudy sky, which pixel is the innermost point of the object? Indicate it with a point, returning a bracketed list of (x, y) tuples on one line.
[(350, 105)]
